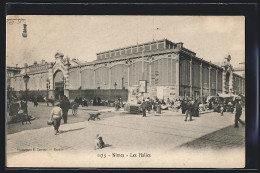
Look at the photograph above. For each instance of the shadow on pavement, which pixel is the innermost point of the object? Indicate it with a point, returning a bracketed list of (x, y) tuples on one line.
[(228, 137), (107, 145), (65, 131)]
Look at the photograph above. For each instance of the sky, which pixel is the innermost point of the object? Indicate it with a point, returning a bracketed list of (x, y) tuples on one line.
[(210, 37)]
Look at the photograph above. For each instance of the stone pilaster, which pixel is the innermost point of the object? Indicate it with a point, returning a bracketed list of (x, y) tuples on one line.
[(51, 79), (209, 81), (231, 82), (94, 77), (80, 78), (109, 77), (216, 81), (66, 76), (177, 85), (191, 77), (128, 75), (223, 82), (201, 81)]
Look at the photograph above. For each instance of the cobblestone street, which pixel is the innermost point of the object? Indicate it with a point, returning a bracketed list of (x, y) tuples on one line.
[(164, 137)]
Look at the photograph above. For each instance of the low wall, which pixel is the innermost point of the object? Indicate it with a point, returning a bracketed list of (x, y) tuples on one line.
[(89, 94), (103, 94), (40, 92)]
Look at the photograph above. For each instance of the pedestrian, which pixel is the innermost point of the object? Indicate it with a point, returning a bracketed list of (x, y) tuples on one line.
[(154, 105), (183, 106), (210, 105), (56, 116), (149, 105), (35, 103), (117, 104), (64, 105), (85, 102), (221, 109), (94, 101), (144, 106), (196, 109), (188, 111), (238, 114), (99, 101), (52, 101)]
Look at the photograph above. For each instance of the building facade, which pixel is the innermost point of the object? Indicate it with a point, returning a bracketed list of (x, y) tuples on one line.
[(169, 69)]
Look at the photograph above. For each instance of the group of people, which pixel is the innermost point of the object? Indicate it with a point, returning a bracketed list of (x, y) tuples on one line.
[(97, 102), (118, 104), (150, 104), (82, 102), (14, 108)]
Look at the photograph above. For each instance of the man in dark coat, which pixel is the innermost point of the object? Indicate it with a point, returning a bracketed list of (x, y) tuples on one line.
[(210, 105), (149, 105), (195, 109), (99, 101), (183, 106), (188, 111), (64, 105), (238, 114), (143, 106), (35, 103), (94, 101)]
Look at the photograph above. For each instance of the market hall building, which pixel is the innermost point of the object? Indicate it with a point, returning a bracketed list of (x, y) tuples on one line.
[(169, 69)]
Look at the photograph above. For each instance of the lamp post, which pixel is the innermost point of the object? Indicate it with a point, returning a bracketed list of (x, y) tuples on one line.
[(48, 87), (26, 80), (184, 92), (115, 84), (64, 83), (122, 82)]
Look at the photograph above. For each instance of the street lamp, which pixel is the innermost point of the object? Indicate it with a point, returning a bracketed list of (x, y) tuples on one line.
[(115, 84), (26, 80), (64, 81), (122, 82), (48, 87)]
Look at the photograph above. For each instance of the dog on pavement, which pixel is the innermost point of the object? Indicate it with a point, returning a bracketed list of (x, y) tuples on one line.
[(26, 118), (94, 116), (99, 143)]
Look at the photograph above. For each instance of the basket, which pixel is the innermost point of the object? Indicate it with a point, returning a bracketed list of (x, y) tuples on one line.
[(49, 122)]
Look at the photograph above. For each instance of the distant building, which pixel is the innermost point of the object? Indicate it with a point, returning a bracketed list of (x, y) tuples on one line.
[(169, 69), (10, 73)]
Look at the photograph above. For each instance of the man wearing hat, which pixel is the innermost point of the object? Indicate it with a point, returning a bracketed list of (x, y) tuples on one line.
[(56, 116), (238, 114), (64, 105), (144, 106)]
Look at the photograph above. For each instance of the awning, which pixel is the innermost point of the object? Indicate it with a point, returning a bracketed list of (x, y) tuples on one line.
[(224, 95)]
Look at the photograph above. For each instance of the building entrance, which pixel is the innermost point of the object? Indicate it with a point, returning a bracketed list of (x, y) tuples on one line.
[(58, 85), (59, 90)]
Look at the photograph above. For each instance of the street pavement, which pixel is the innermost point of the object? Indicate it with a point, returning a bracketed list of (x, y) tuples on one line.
[(165, 140)]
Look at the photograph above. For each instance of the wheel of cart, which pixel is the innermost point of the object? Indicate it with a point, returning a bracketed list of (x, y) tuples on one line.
[(74, 107)]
